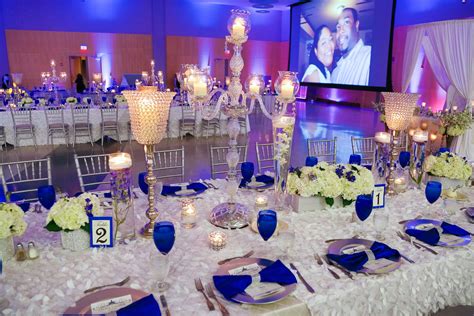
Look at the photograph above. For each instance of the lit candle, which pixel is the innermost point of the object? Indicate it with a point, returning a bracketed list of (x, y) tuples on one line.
[(261, 202), (423, 104), (227, 81), (200, 89), (433, 137), (53, 63), (411, 132), (113, 90), (283, 121), (188, 214), (238, 28), (217, 240), (382, 137), (254, 87), (400, 185), (168, 90), (424, 126), (455, 108), (420, 137), (118, 161), (152, 63), (287, 89)]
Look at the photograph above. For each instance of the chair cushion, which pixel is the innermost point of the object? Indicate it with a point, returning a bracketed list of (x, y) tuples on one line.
[(187, 121), (24, 126), (58, 126), (82, 125), (109, 123)]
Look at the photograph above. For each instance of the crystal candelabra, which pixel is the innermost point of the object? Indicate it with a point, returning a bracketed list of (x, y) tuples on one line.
[(51, 80), (154, 78), (399, 109), (149, 111), (235, 103)]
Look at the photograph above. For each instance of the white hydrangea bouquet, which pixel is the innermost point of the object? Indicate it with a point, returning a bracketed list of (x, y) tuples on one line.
[(70, 214), (71, 100), (448, 165), (120, 98), (330, 182), (26, 101), (11, 220)]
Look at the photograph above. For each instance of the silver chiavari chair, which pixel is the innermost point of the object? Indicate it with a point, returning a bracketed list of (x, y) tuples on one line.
[(218, 159), (243, 124), (92, 171), (169, 164), (55, 122), (265, 156), (365, 147), (212, 124), (323, 149), (24, 177), (23, 124), (81, 125), (3, 137), (187, 123), (109, 124)]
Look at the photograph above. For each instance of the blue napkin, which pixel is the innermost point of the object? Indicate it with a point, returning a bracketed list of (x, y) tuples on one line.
[(432, 237), (261, 178), (311, 161), (144, 306), (355, 261), (231, 285), (171, 190)]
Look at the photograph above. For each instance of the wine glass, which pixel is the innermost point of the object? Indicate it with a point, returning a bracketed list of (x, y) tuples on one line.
[(433, 191), (381, 218), (355, 159), (142, 182), (311, 161), (267, 223), (163, 237), (286, 239), (247, 168), (404, 158), (363, 208), (47, 196)]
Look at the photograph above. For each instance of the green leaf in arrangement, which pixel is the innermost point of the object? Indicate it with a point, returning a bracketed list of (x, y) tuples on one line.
[(329, 201), (346, 202), (52, 226)]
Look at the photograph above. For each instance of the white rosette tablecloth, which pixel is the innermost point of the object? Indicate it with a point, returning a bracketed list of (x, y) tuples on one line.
[(51, 283)]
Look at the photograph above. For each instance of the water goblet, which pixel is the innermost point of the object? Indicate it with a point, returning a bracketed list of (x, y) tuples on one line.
[(311, 161), (363, 209), (247, 168), (355, 159), (286, 240), (433, 191), (47, 196), (267, 223), (381, 218), (163, 237), (404, 158)]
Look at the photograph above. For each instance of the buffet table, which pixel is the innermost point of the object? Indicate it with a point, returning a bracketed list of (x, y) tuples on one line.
[(53, 282)]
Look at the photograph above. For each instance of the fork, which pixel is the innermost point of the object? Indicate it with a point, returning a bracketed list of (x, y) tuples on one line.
[(343, 270), (248, 254), (320, 262), (200, 288), (212, 295), (409, 239), (92, 289)]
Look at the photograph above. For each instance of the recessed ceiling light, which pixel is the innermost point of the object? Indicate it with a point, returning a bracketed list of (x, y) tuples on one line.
[(263, 11), (263, 6), (263, 1)]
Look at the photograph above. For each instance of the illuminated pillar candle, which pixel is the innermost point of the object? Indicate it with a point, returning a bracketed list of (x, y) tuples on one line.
[(200, 89), (287, 89), (238, 28), (254, 87)]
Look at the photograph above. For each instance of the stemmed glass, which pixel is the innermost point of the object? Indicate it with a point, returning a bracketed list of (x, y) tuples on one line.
[(163, 237), (142, 182), (404, 158), (433, 191), (47, 196), (363, 209), (247, 168), (267, 223)]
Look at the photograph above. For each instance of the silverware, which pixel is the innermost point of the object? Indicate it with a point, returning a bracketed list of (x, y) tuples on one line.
[(211, 294), (306, 284), (248, 254), (165, 305), (210, 185), (200, 288), (406, 258), (402, 237), (407, 220), (320, 262), (121, 283), (342, 269), (410, 240), (336, 239)]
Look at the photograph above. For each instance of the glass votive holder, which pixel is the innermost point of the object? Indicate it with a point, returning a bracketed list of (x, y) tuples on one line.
[(217, 240), (261, 202), (400, 184), (188, 213)]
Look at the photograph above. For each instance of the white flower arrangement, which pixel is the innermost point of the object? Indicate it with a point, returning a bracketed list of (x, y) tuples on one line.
[(11, 220), (26, 101), (283, 143), (331, 181), (42, 101), (120, 98), (70, 214), (71, 100), (84, 100), (448, 165)]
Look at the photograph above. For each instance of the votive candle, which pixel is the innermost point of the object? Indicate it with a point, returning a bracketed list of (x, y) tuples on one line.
[(188, 214), (200, 89), (382, 137), (238, 28), (217, 240), (254, 87), (119, 161), (287, 89), (261, 201), (420, 137)]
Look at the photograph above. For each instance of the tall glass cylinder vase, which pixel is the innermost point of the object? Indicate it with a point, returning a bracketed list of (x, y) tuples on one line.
[(283, 127), (416, 166), (122, 200), (379, 167)]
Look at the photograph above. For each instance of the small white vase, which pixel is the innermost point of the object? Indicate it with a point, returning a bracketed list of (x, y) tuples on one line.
[(7, 249), (448, 183), (314, 203), (75, 240)]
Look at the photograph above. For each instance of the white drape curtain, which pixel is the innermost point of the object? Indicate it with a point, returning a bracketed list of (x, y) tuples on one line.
[(410, 55)]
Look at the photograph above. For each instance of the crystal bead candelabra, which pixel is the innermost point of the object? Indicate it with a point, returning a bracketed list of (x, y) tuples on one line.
[(234, 103), (51, 80)]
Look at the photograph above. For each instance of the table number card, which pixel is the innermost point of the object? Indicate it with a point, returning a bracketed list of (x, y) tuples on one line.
[(379, 196), (101, 232)]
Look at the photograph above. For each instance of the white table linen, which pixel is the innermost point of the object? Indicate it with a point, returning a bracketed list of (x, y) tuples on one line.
[(48, 285)]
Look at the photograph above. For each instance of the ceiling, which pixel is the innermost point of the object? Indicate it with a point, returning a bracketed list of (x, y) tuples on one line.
[(254, 4)]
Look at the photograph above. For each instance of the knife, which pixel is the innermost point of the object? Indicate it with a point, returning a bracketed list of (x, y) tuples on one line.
[(165, 305), (308, 287)]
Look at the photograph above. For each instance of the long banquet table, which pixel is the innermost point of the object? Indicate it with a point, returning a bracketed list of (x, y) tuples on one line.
[(48, 285)]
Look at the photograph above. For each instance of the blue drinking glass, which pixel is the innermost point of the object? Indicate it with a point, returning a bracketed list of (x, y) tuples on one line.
[(363, 206), (404, 158), (247, 168), (443, 150), (89, 100), (267, 223), (355, 159), (433, 191), (164, 236), (47, 196), (104, 99), (142, 182), (311, 161)]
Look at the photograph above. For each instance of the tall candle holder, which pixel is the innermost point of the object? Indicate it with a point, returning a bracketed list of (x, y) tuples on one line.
[(379, 166), (399, 109), (51, 79), (149, 112), (418, 156)]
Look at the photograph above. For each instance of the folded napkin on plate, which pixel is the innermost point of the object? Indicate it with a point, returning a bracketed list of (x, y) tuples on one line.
[(144, 306), (431, 236), (355, 261), (231, 285), (261, 178), (171, 189)]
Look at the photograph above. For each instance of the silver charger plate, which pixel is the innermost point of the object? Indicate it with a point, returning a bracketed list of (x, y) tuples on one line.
[(337, 247), (244, 297), (413, 224)]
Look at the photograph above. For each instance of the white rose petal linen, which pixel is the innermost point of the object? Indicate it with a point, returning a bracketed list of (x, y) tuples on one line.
[(58, 277)]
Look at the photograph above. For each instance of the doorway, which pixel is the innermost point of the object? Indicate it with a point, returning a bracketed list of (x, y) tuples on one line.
[(86, 66)]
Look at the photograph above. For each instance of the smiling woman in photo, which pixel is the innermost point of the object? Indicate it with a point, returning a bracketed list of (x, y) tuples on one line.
[(321, 57)]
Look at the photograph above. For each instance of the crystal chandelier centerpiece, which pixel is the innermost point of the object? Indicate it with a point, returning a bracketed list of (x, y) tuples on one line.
[(51, 80)]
